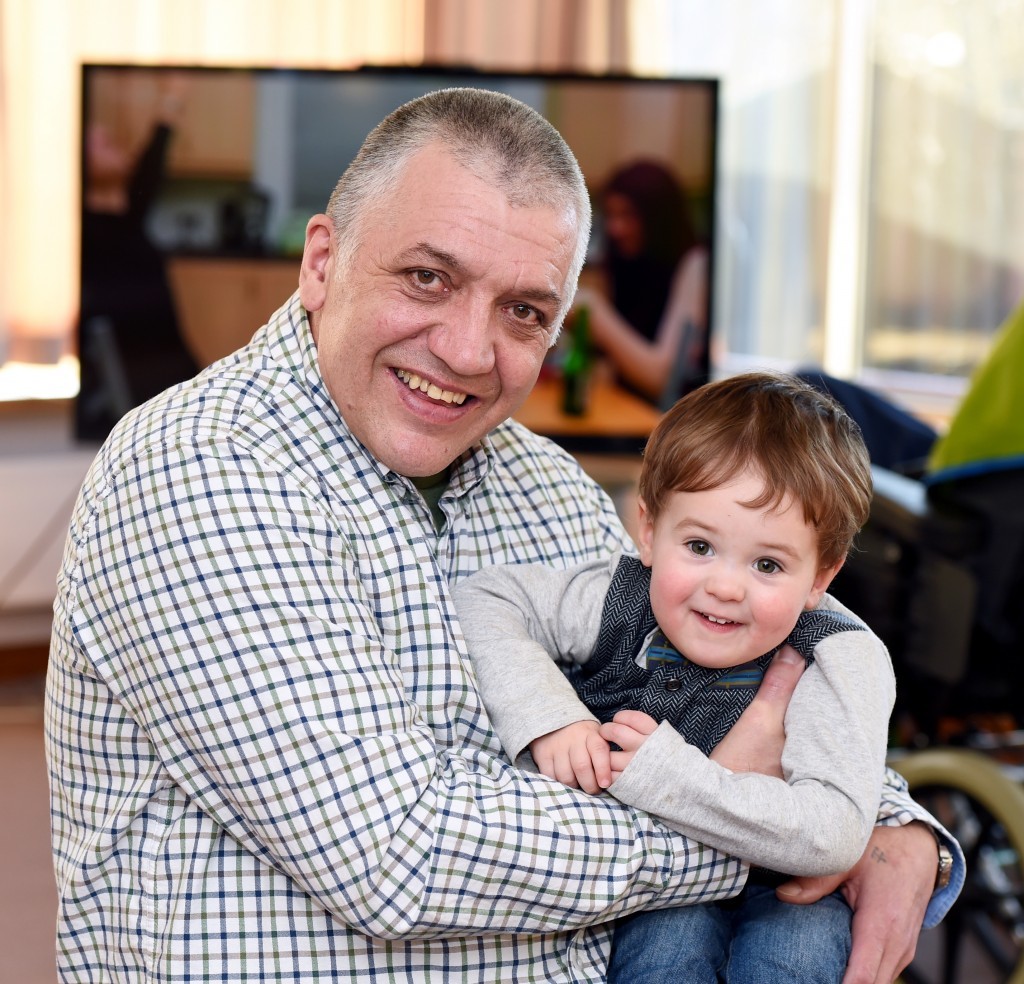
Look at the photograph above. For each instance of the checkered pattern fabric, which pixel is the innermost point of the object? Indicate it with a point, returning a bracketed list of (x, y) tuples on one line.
[(268, 757)]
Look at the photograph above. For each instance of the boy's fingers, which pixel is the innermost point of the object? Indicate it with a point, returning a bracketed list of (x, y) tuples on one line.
[(583, 769), (637, 720), (600, 757)]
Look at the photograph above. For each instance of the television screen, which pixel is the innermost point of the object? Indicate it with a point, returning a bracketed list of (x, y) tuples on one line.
[(196, 185)]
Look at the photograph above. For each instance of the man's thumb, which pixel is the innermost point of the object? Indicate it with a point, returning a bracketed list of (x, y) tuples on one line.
[(782, 675)]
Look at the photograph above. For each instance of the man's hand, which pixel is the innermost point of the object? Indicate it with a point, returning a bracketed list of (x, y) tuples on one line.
[(754, 743), (629, 730), (888, 890), (576, 755)]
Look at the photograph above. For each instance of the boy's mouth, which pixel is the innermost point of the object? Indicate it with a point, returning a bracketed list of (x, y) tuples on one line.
[(716, 620)]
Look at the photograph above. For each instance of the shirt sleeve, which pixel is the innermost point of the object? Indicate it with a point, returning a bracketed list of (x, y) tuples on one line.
[(224, 611), (525, 625), (819, 819), (897, 809)]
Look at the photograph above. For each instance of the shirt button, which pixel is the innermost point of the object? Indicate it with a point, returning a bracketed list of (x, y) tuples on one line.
[(673, 683)]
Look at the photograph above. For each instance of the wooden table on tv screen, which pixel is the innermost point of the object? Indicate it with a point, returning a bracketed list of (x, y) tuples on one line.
[(615, 422)]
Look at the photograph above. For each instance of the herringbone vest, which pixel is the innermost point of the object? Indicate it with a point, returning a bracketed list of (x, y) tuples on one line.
[(702, 704)]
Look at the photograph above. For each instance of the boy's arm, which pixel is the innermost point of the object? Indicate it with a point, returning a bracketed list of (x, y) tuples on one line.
[(820, 818), (525, 624)]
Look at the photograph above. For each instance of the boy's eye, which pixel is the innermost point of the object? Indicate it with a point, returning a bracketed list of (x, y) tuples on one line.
[(700, 547), (766, 566)]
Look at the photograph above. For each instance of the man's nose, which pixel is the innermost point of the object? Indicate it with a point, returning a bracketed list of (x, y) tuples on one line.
[(464, 338)]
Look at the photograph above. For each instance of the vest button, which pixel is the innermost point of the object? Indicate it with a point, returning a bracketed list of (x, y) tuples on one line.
[(673, 683)]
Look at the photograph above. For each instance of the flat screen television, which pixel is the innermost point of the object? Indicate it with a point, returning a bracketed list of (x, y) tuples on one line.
[(196, 184)]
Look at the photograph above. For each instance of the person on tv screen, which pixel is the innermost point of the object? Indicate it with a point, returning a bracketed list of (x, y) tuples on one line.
[(650, 316), (130, 340)]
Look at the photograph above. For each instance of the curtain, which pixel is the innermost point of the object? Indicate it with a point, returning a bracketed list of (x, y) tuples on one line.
[(44, 41)]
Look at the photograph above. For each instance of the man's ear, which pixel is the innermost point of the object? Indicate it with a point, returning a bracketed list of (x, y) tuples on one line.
[(644, 532), (317, 262), (820, 585)]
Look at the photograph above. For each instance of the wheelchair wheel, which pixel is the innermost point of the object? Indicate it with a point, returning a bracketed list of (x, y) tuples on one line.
[(982, 937)]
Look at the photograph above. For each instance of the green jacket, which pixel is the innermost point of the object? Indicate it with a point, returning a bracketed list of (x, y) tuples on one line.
[(987, 430)]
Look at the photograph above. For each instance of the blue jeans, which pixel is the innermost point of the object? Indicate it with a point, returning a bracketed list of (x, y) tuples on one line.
[(752, 939)]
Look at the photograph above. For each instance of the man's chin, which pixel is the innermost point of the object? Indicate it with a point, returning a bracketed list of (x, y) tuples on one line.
[(422, 464), (422, 450)]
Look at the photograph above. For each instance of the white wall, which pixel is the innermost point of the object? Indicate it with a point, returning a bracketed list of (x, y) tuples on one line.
[(40, 472)]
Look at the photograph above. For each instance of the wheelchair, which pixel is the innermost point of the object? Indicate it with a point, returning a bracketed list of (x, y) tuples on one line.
[(938, 573)]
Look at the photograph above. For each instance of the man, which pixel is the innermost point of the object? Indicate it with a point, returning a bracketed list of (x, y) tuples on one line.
[(268, 755)]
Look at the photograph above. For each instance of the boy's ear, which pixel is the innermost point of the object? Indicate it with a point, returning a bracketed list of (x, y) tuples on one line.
[(644, 533), (315, 271), (821, 583)]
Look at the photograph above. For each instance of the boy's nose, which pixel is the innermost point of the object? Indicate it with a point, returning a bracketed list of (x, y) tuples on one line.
[(725, 583)]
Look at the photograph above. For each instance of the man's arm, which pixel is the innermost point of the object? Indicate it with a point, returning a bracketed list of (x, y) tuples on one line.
[(890, 891), (892, 888), (241, 645)]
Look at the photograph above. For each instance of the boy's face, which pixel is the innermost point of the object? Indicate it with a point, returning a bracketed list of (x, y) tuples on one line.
[(728, 581)]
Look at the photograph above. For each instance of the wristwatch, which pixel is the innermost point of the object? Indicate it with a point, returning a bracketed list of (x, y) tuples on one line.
[(945, 871)]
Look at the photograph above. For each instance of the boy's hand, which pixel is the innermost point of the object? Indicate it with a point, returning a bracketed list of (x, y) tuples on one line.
[(629, 730), (576, 755)]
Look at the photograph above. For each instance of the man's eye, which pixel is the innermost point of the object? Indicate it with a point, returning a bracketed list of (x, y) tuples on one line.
[(523, 312), (700, 547), (766, 566), (425, 277)]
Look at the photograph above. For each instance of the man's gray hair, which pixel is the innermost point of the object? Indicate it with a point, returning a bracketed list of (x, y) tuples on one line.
[(496, 137)]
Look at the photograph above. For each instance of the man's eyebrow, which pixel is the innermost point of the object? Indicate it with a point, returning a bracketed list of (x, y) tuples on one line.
[(426, 251), (540, 295)]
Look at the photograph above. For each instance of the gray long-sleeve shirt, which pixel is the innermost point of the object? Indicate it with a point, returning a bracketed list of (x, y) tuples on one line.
[(526, 624)]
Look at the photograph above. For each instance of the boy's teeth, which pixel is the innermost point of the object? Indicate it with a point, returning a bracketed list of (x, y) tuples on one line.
[(718, 621), (415, 382)]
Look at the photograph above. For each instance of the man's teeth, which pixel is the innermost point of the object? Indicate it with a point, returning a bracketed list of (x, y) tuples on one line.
[(431, 389), (718, 621)]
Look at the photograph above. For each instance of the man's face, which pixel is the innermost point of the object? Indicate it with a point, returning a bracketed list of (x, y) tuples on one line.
[(436, 330)]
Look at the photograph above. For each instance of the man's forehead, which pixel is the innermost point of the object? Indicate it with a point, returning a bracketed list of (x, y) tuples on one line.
[(434, 175), (441, 214)]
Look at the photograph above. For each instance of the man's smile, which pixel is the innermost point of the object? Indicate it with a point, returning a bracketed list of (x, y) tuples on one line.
[(416, 382)]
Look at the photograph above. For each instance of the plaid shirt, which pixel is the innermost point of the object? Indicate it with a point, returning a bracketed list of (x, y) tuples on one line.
[(268, 757), (269, 760)]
